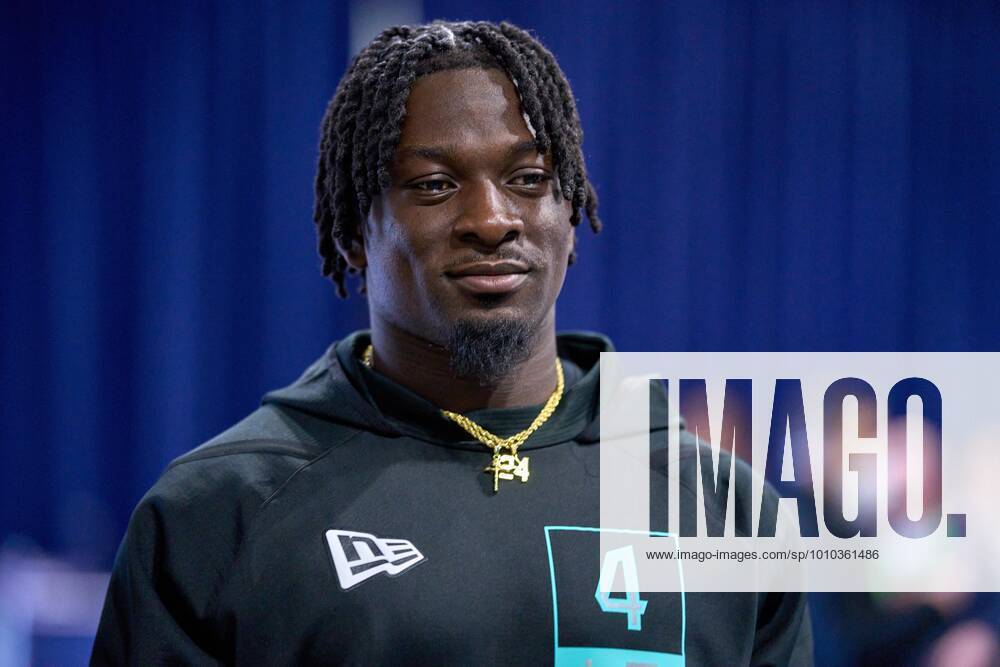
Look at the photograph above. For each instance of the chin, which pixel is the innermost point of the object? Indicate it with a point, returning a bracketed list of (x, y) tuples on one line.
[(493, 311), (520, 307), (493, 301), (486, 348)]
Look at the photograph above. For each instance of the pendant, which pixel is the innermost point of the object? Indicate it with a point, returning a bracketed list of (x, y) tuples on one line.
[(507, 467)]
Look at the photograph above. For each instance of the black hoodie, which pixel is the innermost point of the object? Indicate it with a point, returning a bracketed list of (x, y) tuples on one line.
[(346, 522)]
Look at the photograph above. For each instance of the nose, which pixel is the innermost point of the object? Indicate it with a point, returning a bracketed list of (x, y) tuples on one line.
[(487, 217)]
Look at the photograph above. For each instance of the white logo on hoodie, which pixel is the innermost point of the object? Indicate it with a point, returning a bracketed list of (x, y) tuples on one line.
[(359, 556)]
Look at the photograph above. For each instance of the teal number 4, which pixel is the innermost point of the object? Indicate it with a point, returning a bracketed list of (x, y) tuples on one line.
[(631, 605)]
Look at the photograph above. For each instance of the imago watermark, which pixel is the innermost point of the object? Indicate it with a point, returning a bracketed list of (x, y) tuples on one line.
[(801, 471)]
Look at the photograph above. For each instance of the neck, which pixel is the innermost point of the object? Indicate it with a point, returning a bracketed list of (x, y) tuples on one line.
[(423, 367)]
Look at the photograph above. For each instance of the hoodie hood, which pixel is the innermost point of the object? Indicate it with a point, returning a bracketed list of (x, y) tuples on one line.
[(335, 388)]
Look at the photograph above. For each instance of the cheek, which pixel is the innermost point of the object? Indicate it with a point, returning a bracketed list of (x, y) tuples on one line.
[(398, 255), (559, 233), (557, 246), (409, 231)]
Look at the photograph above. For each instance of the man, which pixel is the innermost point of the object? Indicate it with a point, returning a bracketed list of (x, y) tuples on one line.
[(426, 493)]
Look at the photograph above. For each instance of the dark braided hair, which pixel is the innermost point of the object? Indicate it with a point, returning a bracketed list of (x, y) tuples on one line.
[(362, 124)]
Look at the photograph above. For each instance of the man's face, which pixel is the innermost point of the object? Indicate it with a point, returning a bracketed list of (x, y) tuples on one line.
[(472, 227)]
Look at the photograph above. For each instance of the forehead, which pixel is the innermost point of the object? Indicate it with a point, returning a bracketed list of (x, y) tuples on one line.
[(464, 107)]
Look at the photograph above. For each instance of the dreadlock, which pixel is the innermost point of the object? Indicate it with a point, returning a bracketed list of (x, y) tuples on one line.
[(362, 124)]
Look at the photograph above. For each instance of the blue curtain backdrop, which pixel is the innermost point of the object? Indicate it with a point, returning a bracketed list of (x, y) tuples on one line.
[(773, 176)]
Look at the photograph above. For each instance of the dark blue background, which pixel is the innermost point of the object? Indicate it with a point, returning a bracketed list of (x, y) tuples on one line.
[(773, 176)]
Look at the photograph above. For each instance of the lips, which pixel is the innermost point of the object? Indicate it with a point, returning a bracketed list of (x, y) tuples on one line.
[(490, 277)]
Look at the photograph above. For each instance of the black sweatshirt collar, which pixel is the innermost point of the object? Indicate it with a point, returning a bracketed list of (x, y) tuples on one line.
[(414, 416)]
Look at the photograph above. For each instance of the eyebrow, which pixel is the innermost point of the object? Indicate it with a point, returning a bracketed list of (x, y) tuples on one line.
[(520, 148), (446, 153)]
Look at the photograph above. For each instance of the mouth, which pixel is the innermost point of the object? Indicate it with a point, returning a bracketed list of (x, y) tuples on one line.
[(490, 277)]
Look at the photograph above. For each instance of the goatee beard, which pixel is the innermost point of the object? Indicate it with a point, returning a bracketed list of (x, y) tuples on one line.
[(486, 351)]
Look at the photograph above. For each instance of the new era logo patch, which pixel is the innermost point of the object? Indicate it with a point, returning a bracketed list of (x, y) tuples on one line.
[(360, 556)]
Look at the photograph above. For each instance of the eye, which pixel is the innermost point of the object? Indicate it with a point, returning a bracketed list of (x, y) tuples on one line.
[(532, 179), (433, 186)]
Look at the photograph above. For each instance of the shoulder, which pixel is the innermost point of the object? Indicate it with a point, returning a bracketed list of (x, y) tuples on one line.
[(213, 491), (219, 486), (240, 467), (697, 463), (268, 432), (233, 474), (189, 528)]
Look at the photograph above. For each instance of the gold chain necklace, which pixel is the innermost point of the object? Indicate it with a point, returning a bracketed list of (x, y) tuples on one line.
[(503, 466)]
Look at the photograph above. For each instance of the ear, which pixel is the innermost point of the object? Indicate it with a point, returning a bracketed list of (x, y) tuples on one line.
[(354, 253)]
